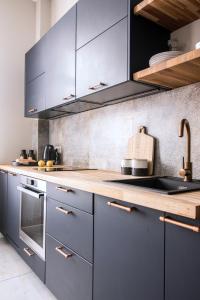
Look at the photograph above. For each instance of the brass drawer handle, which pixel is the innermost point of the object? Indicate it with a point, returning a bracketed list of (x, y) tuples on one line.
[(97, 86), (64, 211), (2, 172), (180, 224), (70, 97), (122, 207), (32, 110), (29, 252), (59, 188), (61, 251), (12, 174)]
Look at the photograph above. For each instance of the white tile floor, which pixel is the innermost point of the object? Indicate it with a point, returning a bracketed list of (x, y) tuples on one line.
[(17, 281)]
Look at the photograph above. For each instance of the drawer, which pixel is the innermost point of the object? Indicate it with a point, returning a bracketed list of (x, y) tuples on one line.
[(73, 197), (68, 276), (33, 260), (71, 227)]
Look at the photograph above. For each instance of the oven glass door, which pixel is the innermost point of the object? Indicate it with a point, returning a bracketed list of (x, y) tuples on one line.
[(32, 219)]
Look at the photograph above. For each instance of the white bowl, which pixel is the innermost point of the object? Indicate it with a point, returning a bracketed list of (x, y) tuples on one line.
[(163, 56)]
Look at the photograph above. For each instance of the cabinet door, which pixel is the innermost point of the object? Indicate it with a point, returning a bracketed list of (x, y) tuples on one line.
[(182, 260), (35, 60), (94, 17), (103, 62), (128, 252), (35, 96), (13, 209), (61, 60), (68, 276), (3, 201)]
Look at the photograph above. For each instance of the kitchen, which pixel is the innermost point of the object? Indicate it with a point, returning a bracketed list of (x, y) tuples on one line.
[(103, 98)]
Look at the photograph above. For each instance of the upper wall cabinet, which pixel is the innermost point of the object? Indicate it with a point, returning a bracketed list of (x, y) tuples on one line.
[(103, 62), (94, 17), (61, 60), (35, 60)]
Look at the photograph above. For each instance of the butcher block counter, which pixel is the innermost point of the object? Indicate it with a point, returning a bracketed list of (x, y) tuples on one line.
[(94, 181)]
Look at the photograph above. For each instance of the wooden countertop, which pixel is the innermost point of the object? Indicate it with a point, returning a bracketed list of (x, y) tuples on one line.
[(185, 204)]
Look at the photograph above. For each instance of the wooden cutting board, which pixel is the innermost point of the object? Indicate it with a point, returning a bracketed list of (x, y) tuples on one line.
[(142, 146)]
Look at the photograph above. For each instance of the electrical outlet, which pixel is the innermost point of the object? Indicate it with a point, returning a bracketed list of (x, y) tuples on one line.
[(59, 148)]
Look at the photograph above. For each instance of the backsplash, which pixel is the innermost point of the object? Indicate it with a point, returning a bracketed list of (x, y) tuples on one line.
[(99, 138)]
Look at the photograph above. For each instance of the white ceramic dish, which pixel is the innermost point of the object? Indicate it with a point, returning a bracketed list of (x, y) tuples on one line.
[(160, 57)]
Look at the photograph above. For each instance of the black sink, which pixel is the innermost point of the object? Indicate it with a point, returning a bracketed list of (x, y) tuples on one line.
[(163, 185)]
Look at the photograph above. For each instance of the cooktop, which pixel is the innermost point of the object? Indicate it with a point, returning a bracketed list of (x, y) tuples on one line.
[(61, 169)]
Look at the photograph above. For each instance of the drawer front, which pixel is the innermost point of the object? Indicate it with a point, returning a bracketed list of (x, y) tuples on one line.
[(73, 197), (103, 62), (34, 261), (94, 17), (67, 277), (71, 227)]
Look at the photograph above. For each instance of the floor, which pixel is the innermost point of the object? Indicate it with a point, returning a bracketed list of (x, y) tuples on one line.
[(17, 281)]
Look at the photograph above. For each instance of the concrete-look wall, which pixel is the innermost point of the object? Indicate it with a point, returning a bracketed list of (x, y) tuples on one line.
[(98, 138), (17, 34)]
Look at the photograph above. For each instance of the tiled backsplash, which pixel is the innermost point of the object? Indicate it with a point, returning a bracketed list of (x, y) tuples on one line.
[(98, 138)]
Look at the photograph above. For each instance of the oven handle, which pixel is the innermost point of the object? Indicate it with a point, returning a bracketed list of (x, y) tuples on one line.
[(29, 192)]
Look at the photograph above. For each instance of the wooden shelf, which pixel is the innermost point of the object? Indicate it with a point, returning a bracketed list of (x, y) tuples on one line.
[(176, 72), (171, 14)]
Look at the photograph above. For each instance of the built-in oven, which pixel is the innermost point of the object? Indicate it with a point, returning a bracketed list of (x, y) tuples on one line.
[(33, 214)]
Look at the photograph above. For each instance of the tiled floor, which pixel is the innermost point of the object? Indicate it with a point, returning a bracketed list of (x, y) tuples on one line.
[(17, 281)]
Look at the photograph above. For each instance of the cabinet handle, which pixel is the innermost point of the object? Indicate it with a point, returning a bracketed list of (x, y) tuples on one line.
[(29, 252), (12, 174), (64, 211), (71, 96), (59, 188), (97, 86), (61, 251), (32, 110), (122, 207), (2, 172), (180, 224)]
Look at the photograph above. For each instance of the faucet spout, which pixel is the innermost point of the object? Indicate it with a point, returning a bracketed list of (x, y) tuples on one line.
[(185, 124), (186, 171)]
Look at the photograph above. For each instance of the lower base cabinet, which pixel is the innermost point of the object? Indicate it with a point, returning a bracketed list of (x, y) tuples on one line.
[(68, 275), (182, 259), (128, 252), (33, 260)]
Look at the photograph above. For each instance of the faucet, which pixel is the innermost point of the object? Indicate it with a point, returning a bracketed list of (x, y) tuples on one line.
[(186, 171)]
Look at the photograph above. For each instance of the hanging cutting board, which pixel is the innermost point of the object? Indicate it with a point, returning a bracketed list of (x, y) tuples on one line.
[(142, 146)]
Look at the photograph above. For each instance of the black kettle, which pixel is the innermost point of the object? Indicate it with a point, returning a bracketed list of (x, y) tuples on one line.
[(49, 153)]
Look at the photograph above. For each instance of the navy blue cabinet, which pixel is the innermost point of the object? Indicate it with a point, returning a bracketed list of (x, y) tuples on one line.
[(104, 61), (182, 261), (128, 252), (61, 61), (94, 17), (3, 200), (13, 209)]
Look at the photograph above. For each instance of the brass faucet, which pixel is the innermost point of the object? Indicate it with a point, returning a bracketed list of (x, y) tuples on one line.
[(186, 171)]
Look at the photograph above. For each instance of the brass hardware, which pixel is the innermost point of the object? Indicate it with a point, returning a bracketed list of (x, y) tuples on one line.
[(71, 96), (63, 253), (64, 211), (29, 252), (2, 172), (97, 86), (12, 174), (186, 170), (122, 207), (180, 224), (32, 110), (143, 129), (59, 188)]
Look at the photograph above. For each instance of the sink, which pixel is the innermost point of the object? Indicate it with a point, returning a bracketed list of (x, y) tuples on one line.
[(163, 185)]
